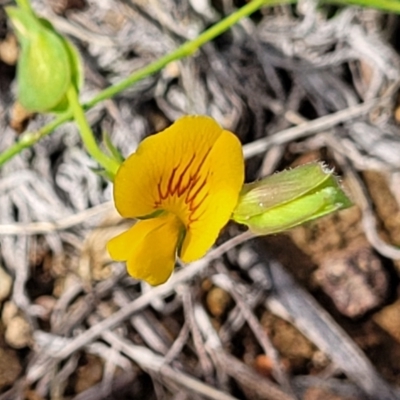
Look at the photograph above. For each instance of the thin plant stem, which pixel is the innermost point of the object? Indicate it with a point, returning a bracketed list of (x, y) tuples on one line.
[(187, 49), (109, 164), (384, 5), (30, 138), (24, 5)]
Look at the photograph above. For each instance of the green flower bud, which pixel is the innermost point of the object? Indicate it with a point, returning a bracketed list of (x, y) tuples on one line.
[(47, 66), (289, 198)]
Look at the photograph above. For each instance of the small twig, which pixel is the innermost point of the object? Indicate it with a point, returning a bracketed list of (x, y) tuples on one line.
[(60, 308), (309, 128), (236, 319), (109, 369), (119, 384), (36, 228), (263, 388), (60, 381), (223, 281), (187, 273), (178, 344), (153, 362), (205, 362), (86, 304), (22, 273), (362, 198), (212, 344), (146, 330)]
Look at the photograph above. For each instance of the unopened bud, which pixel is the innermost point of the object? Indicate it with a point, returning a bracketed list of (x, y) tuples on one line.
[(289, 198)]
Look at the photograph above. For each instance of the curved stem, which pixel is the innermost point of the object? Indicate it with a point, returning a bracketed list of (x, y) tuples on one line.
[(109, 164), (188, 48)]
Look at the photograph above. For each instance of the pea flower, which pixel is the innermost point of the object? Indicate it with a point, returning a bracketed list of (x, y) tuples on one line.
[(183, 185)]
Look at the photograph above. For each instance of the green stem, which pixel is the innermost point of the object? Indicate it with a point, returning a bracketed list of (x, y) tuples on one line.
[(109, 164), (384, 5), (188, 48), (24, 5)]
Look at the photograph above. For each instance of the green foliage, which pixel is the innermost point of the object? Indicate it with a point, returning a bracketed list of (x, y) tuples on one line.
[(289, 198)]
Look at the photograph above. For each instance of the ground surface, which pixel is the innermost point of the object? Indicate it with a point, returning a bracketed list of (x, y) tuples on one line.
[(310, 314)]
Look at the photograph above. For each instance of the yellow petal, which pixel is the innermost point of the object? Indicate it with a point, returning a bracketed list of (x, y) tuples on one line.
[(214, 202), (158, 173), (149, 248)]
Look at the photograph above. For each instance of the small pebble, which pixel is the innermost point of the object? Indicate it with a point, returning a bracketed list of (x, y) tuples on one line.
[(10, 310), (18, 333), (217, 301), (5, 284)]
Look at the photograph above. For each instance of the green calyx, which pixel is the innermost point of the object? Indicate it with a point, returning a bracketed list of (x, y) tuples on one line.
[(289, 198)]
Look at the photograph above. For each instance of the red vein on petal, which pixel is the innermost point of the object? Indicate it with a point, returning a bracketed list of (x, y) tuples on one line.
[(179, 189)]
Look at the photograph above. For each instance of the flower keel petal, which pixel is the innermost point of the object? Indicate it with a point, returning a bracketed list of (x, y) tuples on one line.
[(149, 248)]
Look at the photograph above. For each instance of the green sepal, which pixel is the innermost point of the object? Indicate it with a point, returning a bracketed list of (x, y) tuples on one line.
[(77, 77), (113, 151), (103, 173), (154, 214), (289, 198)]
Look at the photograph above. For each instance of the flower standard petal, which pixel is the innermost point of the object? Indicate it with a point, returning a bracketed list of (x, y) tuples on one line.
[(212, 205), (149, 248), (157, 175)]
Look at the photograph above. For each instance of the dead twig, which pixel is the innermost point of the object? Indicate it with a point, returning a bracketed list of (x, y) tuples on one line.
[(95, 331), (309, 128), (361, 197), (206, 364), (36, 228), (155, 363), (223, 281)]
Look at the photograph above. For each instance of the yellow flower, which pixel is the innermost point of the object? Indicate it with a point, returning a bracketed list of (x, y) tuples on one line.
[(185, 181)]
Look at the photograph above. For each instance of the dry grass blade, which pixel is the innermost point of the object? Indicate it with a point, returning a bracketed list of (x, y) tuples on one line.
[(278, 372), (137, 305), (311, 127), (150, 361), (43, 227)]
